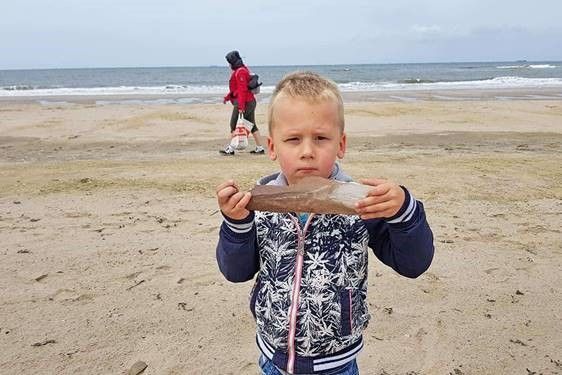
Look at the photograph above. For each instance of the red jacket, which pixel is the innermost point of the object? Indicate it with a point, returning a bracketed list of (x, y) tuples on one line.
[(238, 86)]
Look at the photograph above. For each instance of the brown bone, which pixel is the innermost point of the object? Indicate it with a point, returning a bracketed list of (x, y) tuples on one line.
[(311, 194)]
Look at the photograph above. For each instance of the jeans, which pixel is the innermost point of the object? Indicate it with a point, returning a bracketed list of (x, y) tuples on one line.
[(268, 368)]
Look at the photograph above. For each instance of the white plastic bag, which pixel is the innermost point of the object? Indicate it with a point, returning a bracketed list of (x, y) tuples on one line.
[(239, 139)]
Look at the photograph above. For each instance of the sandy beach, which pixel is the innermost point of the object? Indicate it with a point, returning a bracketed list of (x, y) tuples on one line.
[(109, 223)]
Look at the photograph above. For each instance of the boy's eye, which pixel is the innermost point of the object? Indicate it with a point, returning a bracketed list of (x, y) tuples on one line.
[(292, 139)]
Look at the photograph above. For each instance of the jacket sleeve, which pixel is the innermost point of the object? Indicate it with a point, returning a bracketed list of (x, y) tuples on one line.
[(242, 93), (404, 241), (237, 253)]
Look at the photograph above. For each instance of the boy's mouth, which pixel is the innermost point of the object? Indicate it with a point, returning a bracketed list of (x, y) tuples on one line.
[(306, 170)]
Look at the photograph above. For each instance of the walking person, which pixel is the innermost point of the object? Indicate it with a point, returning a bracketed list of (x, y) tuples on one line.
[(242, 99)]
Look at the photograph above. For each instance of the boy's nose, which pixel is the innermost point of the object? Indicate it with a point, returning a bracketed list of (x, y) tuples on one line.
[(307, 150)]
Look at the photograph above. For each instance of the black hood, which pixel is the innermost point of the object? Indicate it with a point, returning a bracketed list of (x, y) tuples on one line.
[(234, 59)]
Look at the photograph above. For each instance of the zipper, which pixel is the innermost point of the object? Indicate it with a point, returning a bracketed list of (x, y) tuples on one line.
[(350, 312), (293, 309)]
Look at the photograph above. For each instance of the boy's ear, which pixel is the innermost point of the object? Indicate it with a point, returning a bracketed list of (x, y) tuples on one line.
[(342, 146), (271, 149)]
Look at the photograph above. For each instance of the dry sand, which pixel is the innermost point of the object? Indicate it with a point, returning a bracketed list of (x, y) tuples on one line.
[(109, 223)]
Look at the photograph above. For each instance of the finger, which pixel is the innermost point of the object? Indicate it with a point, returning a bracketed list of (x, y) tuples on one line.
[(233, 184), (226, 194), (243, 202), (380, 189), (371, 200), (227, 191), (236, 196), (234, 199), (372, 181), (225, 184), (380, 207)]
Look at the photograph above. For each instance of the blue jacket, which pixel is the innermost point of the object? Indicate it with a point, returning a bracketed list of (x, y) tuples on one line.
[(309, 297)]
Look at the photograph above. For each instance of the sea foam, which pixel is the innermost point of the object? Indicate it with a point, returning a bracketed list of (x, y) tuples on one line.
[(528, 66), (218, 91), (493, 83)]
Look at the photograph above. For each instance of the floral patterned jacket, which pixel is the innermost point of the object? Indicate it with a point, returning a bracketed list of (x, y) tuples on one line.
[(309, 296)]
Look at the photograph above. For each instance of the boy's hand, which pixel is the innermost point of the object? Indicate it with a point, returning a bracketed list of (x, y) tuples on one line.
[(232, 201), (383, 200)]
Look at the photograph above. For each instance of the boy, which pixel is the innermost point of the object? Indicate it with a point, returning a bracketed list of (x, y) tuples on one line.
[(309, 298)]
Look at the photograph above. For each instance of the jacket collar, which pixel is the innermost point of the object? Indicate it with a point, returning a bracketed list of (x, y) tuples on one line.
[(279, 179)]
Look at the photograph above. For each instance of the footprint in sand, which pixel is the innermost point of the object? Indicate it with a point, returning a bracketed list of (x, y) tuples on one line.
[(70, 295)]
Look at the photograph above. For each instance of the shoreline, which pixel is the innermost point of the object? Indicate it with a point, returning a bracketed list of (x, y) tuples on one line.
[(405, 95)]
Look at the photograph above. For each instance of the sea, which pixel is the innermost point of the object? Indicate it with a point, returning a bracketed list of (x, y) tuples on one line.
[(208, 84)]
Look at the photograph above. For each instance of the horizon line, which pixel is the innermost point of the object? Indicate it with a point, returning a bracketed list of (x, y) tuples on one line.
[(282, 65)]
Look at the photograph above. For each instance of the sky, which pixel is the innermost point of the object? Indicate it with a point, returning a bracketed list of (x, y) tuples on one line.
[(138, 33)]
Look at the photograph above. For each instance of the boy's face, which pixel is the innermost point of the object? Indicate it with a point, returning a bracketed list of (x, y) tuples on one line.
[(306, 138)]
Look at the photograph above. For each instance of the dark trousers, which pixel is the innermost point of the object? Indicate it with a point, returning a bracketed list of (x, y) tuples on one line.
[(249, 114)]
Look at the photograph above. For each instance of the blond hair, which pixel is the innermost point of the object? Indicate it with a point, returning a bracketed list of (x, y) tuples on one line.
[(308, 86)]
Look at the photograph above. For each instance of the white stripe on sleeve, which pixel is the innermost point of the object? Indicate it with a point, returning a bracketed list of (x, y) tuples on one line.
[(239, 228), (406, 215)]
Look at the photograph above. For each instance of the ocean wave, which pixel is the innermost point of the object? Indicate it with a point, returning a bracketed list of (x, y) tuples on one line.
[(511, 67), (417, 80), (542, 66), (19, 87), (121, 90), (527, 66), (492, 83), (202, 91)]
